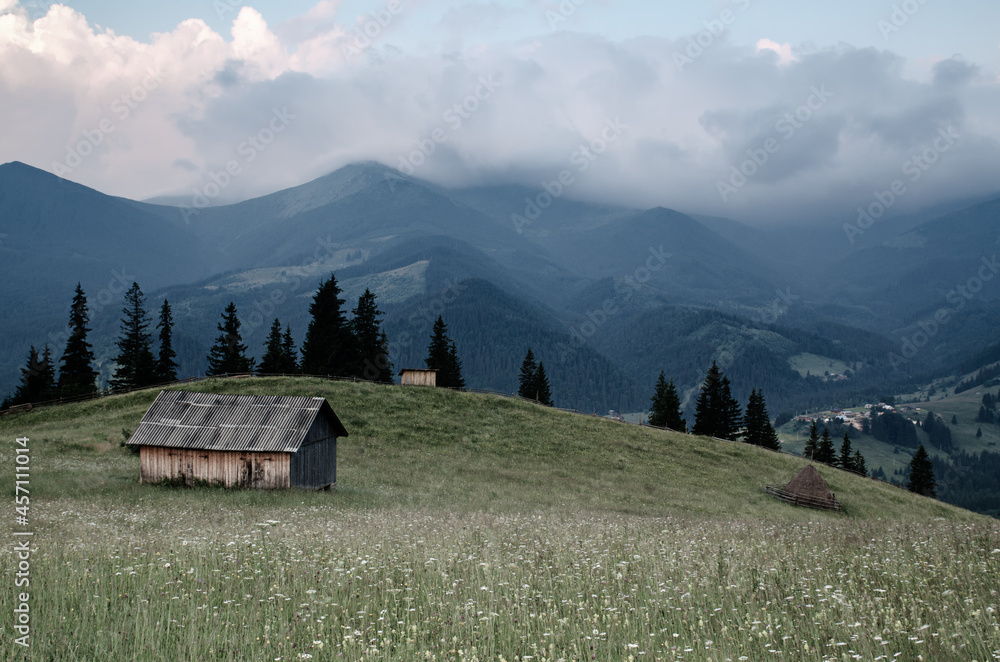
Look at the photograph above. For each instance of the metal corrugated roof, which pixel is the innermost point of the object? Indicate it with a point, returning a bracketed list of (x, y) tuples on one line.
[(219, 422)]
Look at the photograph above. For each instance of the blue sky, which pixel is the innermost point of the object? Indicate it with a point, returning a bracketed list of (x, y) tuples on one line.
[(937, 28), (173, 93)]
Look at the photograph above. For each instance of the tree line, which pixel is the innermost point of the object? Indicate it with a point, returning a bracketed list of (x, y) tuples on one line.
[(717, 412), (334, 345)]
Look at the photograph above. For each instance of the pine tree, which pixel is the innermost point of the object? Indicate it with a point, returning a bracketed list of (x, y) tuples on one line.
[(328, 348), (271, 361), (289, 355), (954, 419), (858, 463), (812, 444), (542, 389), (706, 408), (454, 370), (665, 411), (135, 365), (845, 461), (672, 405), (37, 380), (76, 373), (370, 340), (443, 357), (730, 414), (228, 355), (717, 413), (758, 430), (825, 452), (528, 378), (922, 474), (928, 424), (166, 366), (979, 433)]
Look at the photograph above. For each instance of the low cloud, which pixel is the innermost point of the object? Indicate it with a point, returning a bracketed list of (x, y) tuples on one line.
[(352, 99)]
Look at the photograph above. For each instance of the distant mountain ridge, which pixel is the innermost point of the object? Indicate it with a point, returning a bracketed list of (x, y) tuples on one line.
[(593, 287)]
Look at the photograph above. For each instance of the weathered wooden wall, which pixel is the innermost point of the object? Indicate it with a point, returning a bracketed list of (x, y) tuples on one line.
[(418, 378), (315, 465), (229, 468)]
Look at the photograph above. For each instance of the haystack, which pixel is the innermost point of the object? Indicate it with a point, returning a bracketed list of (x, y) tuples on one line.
[(809, 485)]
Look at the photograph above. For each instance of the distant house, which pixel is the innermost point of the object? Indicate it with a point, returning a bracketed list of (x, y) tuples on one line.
[(256, 441), (418, 377)]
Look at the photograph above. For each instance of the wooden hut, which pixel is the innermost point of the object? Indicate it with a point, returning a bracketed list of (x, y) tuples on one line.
[(807, 489), (417, 377), (263, 442)]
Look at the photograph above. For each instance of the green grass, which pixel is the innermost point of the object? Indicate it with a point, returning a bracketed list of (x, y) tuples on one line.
[(473, 527)]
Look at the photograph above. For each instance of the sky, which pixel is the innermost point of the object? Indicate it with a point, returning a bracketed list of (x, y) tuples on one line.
[(765, 111)]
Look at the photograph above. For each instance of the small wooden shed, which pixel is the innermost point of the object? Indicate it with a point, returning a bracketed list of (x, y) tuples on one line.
[(256, 441), (418, 377)]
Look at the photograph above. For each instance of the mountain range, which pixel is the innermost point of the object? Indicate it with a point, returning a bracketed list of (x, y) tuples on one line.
[(606, 296)]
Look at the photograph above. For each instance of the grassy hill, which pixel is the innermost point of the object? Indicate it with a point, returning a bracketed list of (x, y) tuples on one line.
[(432, 447), (468, 527)]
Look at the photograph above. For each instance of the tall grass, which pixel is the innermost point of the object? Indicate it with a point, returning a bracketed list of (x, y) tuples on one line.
[(139, 583), (469, 527)]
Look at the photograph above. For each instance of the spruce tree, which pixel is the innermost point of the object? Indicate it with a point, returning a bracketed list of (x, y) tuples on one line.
[(443, 357), (528, 378), (271, 361), (758, 430), (135, 365), (672, 405), (166, 366), (717, 413), (812, 444), (228, 354), (37, 380), (76, 373), (289, 355), (454, 370), (730, 415), (370, 340), (922, 474), (543, 394), (844, 460), (706, 412), (858, 463), (328, 348), (825, 452)]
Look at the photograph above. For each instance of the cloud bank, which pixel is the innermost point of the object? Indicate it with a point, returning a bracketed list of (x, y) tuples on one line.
[(761, 132)]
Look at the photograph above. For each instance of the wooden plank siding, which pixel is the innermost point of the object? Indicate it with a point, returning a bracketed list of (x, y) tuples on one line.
[(228, 468), (415, 377), (315, 465)]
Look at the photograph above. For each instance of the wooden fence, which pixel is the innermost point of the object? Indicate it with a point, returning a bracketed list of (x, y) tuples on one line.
[(803, 500)]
